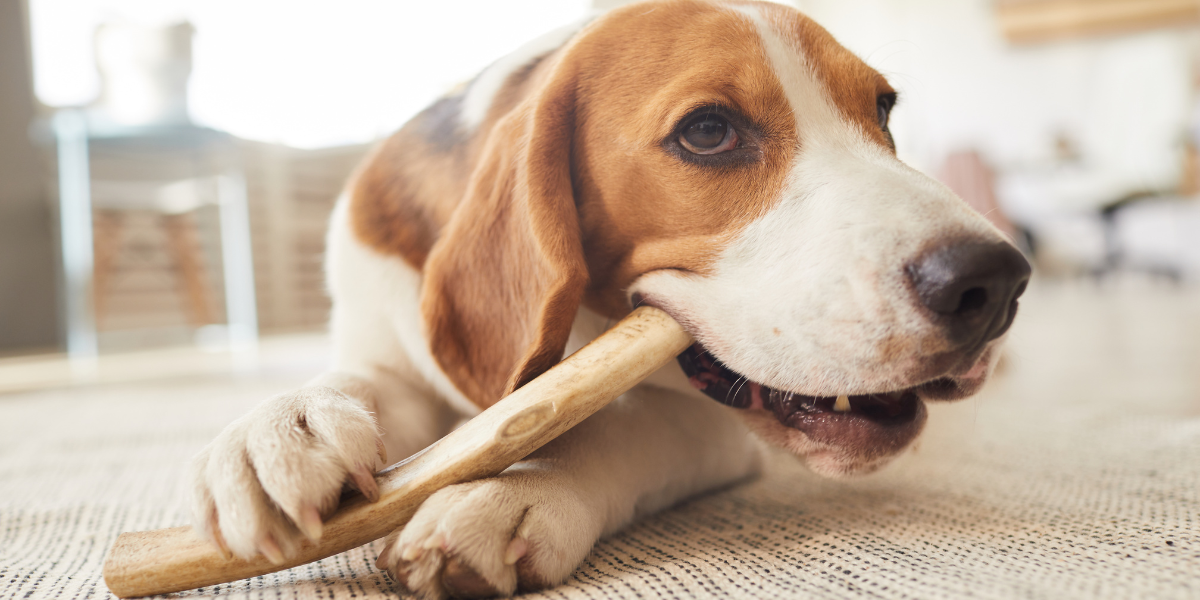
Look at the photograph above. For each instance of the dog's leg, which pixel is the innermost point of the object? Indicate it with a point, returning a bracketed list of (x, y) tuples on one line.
[(531, 526), (268, 478)]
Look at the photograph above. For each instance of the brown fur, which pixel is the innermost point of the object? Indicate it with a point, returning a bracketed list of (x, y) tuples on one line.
[(565, 194), (851, 83), (396, 211), (502, 284)]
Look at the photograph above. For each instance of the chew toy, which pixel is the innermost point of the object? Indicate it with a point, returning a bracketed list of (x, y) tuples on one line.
[(171, 560)]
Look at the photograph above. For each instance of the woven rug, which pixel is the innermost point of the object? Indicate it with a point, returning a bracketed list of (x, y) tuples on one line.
[(1075, 474)]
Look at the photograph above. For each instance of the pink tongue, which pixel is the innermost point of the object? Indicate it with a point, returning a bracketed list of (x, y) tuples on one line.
[(976, 371), (756, 399)]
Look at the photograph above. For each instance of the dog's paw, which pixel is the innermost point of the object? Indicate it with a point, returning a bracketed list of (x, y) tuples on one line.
[(268, 478), (523, 530)]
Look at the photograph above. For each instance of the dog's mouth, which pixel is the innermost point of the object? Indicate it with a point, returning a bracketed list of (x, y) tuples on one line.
[(879, 423)]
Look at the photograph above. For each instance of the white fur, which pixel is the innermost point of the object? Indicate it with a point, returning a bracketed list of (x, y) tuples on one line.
[(812, 294), (359, 276)]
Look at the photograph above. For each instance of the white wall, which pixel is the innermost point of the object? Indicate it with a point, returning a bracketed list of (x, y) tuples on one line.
[(304, 73), (1124, 100), (313, 74)]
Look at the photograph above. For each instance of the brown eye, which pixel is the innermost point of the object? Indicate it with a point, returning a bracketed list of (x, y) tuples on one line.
[(883, 106), (708, 134)]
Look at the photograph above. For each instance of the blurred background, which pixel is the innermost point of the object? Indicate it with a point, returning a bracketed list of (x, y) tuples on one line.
[(167, 166)]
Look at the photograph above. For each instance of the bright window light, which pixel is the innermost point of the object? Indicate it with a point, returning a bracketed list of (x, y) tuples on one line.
[(306, 74)]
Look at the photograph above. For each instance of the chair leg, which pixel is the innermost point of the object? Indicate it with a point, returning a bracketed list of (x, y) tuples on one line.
[(107, 228), (185, 249)]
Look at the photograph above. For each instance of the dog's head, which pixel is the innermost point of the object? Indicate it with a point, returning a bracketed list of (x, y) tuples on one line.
[(731, 164)]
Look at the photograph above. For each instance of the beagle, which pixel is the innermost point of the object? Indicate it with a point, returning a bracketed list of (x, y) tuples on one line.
[(727, 162)]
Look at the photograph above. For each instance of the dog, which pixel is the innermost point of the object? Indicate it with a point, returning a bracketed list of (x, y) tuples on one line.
[(727, 162)]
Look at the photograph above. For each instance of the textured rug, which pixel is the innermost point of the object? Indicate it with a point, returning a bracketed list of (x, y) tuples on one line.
[(1075, 474)]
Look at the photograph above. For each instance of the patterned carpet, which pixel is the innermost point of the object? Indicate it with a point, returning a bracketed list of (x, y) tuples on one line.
[(1076, 474)]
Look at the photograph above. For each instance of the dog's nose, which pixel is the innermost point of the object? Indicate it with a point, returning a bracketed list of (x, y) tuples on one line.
[(972, 287)]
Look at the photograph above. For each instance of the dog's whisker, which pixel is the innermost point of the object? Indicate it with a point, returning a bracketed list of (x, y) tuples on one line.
[(734, 389)]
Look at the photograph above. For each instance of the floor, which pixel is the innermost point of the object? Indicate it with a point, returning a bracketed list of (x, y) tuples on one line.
[(1076, 473)]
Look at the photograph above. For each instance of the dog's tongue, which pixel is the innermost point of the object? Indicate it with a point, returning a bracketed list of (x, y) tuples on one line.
[(879, 424), (978, 370)]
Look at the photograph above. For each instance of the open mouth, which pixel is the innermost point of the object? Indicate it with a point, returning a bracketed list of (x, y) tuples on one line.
[(884, 422)]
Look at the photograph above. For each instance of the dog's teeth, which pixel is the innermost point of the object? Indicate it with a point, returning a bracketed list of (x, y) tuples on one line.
[(842, 404)]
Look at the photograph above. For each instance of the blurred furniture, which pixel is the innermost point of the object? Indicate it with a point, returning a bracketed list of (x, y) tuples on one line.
[(1154, 234), (1031, 21), (144, 73), (291, 192), (173, 205), (1081, 223), (172, 170), (135, 151), (965, 172)]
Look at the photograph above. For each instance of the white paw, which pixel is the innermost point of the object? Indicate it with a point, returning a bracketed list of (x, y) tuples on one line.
[(268, 478), (522, 530)]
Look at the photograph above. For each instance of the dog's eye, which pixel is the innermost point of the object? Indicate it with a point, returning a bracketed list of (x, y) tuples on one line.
[(708, 134), (883, 105)]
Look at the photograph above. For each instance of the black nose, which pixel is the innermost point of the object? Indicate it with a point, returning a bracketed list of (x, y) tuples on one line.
[(972, 287)]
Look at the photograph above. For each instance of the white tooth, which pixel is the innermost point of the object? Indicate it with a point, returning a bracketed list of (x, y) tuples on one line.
[(842, 404)]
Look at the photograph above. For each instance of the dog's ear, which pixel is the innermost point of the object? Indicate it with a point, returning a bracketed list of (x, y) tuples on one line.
[(504, 280)]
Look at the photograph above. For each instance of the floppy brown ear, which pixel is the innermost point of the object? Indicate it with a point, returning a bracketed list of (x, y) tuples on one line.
[(504, 280)]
